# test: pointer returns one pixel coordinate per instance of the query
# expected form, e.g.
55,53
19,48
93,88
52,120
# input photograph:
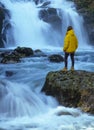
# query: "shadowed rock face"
2,17
50,15
86,9
4,24
72,88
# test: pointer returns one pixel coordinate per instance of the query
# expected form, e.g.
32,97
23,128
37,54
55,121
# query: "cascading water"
71,17
30,30
22,105
16,103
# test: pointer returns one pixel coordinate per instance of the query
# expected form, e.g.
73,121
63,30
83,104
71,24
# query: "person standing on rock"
70,46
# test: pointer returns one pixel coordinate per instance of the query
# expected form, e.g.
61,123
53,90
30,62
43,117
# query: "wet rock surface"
5,26
72,88
56,58
14,56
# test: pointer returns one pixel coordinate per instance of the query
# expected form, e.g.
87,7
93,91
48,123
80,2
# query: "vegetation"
87,5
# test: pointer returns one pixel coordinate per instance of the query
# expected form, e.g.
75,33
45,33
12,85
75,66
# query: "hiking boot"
72,69
64,69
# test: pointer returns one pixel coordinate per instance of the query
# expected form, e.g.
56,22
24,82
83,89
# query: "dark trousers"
72,58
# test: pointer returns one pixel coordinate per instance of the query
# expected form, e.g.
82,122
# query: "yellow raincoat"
70,42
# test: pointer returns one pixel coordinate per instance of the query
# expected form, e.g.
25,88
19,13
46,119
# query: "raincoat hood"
71,32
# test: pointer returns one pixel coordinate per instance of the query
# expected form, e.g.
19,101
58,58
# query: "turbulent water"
22,104
24,107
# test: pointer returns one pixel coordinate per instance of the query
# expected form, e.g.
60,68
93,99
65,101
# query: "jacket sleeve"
66,43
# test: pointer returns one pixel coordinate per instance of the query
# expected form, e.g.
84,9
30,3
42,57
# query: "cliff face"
86,9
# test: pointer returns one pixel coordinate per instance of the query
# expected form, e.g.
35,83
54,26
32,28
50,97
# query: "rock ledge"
72,88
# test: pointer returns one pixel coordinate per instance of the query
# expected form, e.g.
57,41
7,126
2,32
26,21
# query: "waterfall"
29,30
22,104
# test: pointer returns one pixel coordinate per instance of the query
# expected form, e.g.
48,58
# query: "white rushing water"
30,30
22,105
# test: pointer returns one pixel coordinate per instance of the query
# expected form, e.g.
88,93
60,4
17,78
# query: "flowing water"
24,107
22,104
30,30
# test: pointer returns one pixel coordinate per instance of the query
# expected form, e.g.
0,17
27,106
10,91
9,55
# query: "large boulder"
72,88
10,59
15,55
23,51
50,15
56,58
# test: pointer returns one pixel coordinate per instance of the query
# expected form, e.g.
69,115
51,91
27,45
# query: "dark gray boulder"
14,56
72,88
55,58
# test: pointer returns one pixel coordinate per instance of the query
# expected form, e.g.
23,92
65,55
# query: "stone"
56,58
72,89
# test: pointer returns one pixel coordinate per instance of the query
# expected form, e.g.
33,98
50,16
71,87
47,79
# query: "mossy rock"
72,88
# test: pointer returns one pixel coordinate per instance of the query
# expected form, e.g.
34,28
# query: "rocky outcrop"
72,88
23,51
14,56
50,15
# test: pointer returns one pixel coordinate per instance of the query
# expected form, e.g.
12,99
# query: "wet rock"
2,17
72,88
5,53
5,26
51,16
63,113
9,73
38,1
92,36
39,53
10,59
24,51
56,58
15,56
